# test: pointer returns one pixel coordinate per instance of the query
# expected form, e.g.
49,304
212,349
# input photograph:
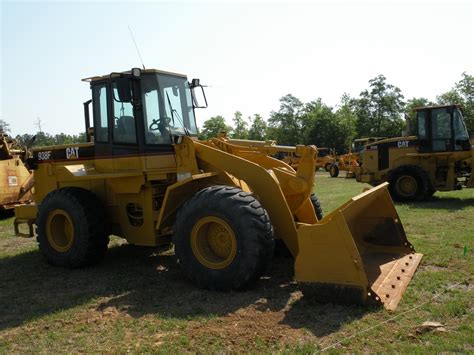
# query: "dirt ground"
274,313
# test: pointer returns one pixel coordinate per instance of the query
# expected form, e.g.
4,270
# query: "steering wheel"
159,123
155,125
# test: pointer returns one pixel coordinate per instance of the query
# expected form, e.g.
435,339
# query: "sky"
249,53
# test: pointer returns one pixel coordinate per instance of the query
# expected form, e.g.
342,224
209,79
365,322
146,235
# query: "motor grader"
344,162
15,179
438,157
144,176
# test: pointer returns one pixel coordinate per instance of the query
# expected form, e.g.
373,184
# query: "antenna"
38,124
136,47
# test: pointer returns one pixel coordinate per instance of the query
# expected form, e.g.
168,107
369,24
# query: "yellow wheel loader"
144,176
438,158
15,179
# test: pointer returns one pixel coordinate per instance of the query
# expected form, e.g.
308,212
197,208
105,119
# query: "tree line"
378,111
42,138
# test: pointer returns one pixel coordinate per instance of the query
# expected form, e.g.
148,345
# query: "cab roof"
437,106
143,71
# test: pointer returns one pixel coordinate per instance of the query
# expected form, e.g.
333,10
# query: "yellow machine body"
361,245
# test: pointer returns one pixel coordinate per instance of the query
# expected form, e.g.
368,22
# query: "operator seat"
126,129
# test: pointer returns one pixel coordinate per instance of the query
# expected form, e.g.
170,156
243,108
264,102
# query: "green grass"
137,299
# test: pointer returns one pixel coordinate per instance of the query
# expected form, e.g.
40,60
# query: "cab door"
441,130
435,130
126,150
118,146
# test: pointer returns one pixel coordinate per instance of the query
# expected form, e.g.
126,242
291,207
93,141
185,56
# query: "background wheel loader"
323,161
439,157
15,178
144,176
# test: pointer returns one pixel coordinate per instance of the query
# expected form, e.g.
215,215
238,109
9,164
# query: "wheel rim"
213,242
60,231
407,185
332,170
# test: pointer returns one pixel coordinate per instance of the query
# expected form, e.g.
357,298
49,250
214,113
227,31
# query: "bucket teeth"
390,279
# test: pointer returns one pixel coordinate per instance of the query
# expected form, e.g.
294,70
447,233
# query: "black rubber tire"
327,166
423,188
334,170
253,233
317,206
91,234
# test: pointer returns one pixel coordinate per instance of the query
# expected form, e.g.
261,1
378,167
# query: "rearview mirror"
124,89
194,83
199,96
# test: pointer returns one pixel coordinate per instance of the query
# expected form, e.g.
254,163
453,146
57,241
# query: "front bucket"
359,251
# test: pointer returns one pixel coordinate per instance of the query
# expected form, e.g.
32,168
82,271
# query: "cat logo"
72,153
402,144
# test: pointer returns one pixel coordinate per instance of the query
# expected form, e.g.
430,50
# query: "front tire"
223,238
71,228
334,170
317,206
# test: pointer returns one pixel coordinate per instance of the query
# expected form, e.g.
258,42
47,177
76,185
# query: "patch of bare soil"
257,322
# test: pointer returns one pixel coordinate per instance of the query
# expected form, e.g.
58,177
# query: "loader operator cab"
142,111
442,129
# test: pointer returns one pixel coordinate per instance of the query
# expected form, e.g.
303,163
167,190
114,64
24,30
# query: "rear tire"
409,183
334,170
223,238
327,166
71,228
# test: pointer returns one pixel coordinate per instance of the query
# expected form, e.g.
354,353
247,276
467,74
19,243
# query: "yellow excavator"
144,176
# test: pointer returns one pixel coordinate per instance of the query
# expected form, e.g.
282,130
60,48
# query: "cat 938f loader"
438,157
145,176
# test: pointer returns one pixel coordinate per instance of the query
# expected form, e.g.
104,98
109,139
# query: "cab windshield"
357,146
167,107
460,130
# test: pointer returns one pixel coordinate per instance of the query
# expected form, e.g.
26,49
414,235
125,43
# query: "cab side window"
101,126
421,125
124,121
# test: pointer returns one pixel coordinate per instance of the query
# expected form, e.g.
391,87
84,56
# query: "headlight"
136,72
